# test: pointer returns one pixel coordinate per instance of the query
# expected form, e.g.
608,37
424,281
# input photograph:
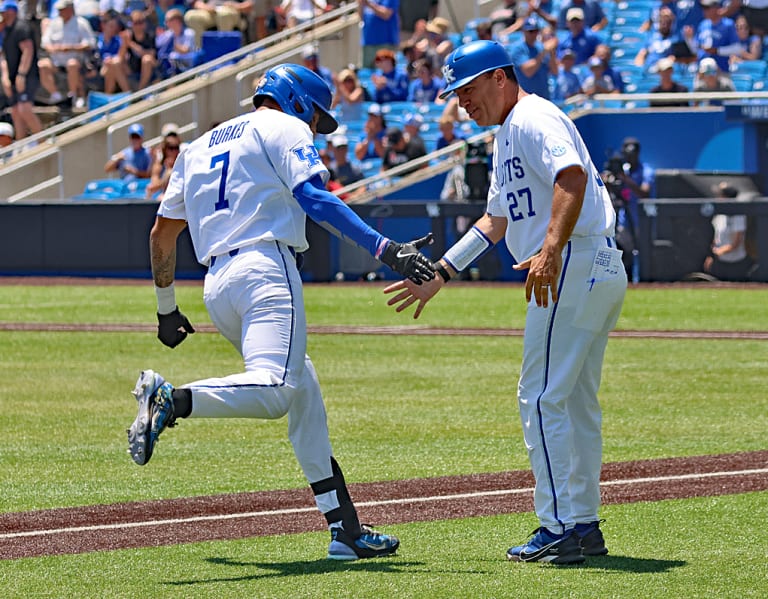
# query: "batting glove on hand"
405,259
173,328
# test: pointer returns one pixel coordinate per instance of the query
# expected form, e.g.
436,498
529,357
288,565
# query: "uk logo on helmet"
448,74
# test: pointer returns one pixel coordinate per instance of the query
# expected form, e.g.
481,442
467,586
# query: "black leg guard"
346,512
182,402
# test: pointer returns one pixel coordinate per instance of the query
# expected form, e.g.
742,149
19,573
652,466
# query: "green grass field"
399,406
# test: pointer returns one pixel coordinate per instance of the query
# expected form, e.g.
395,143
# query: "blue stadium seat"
98,99
756,68
218,43
742,82
136,189
102,189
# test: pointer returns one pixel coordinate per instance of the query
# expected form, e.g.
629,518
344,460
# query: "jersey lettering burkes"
308,154
227,133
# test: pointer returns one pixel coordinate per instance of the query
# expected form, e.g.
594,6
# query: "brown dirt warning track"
241,515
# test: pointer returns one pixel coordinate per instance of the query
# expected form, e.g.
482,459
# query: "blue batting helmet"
470,60
299,92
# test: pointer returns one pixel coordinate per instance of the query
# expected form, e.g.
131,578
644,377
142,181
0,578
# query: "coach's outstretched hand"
405,259
173,328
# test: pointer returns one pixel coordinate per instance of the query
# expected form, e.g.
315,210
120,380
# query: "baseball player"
244,189
548,202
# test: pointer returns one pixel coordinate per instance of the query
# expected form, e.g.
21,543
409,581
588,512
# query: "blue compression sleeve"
332,214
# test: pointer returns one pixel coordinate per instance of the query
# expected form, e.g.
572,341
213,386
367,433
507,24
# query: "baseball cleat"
370,543
591,538
155,414
547,547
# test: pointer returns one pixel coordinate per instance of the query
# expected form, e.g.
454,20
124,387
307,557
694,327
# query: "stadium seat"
756,68
136,189
98,99
742,82
219,43
102,189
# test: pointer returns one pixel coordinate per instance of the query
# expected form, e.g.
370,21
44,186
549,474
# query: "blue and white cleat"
155,415
547,547
370,543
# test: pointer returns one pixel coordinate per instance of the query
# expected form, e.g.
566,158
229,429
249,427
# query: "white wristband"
166,299
467,249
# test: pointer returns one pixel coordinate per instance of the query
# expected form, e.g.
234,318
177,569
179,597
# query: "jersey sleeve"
292,152
172,205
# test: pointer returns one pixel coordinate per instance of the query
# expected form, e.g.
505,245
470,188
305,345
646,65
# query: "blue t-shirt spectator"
593,12
583,45
721,35
538,83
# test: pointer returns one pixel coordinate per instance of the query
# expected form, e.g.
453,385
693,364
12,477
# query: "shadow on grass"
298,568
636,565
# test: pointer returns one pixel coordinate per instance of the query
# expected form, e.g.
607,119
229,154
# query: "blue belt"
236,251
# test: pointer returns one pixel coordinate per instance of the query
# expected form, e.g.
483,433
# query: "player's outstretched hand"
173,328
409,293
405,259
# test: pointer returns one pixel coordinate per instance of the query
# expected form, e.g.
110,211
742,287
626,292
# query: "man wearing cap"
593,14
711,79
549,204
310,55
568,82
660,40
412,132
665,68
6,134
728,259
598,81
371,145
397,151
346,172
18,66
134,161
581,40
534,61
380,28
389,80
69,41
716,35
436,44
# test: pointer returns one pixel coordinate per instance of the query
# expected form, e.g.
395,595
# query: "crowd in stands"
564,50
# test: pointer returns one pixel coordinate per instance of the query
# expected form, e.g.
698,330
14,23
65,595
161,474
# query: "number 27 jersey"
535,143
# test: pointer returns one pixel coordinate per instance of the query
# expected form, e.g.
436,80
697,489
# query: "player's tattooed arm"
162,246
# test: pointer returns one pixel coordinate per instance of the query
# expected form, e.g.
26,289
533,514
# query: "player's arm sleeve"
332,214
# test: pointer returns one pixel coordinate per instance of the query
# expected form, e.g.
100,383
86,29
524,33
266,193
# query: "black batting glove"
173,328
405,259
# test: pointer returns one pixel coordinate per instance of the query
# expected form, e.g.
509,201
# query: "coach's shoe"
591,538
548,547
155,414
370,543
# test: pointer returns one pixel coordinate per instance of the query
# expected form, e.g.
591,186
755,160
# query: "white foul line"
499,492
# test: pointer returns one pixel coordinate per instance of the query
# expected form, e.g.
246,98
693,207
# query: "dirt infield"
236,516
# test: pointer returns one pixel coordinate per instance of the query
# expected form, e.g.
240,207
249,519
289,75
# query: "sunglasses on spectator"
172,147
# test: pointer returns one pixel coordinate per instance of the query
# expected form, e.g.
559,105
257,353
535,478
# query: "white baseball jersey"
260,157
534,144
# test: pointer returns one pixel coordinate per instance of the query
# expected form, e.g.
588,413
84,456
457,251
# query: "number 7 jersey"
535,142
233,185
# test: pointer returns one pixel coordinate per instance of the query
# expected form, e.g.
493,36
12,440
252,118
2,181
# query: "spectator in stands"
756,13
660,40
348,91
390,81
716,36
220,15
652,23
507,18
310,55
484,30
346,172
567,83
543,9
665,67
397,152
134,161
689,14
593,14
751,44
69,42
108,44
426,86
380,29
372,143
258,21
711,79
728,260
581,40
604,53
33,13
162,165
139,51
298,12
18,70
176,46
6,134
598,81
534,61
449,133
412,132
436,45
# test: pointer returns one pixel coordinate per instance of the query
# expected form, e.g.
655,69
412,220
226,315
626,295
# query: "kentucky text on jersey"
228,133
509,169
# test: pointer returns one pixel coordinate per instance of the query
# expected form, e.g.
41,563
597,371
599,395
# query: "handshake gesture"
405,259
